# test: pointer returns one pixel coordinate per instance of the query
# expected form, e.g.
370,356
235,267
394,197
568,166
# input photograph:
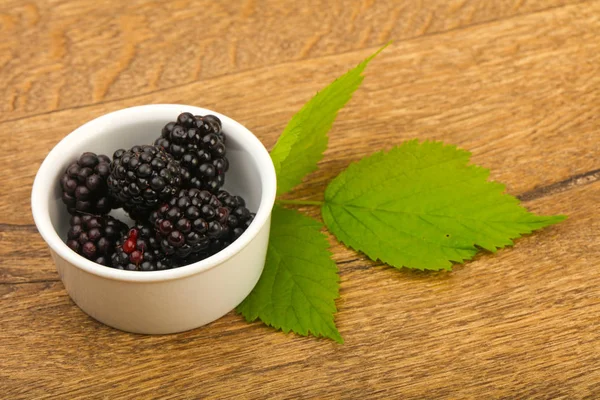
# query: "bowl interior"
129,127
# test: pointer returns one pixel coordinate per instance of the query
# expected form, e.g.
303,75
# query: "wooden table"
517,82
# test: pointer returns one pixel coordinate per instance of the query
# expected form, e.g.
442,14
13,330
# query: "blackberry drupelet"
95,237
139,250
84,185
196,224
143,177
198,143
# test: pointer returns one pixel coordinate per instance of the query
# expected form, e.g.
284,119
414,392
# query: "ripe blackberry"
94,237
138,250
143,177
84,185
196,224
198,143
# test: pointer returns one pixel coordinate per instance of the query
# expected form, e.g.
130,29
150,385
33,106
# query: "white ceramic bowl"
169,301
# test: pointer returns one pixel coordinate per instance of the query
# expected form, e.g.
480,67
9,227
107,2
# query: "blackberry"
196,224
94,237
198,143
84,186
139,250
143,177
239,218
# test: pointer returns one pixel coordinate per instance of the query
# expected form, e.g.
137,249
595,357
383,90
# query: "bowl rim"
42,189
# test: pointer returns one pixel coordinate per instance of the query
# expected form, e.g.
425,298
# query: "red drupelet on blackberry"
198,143
196,224
84,187
95,237
143,177
139,250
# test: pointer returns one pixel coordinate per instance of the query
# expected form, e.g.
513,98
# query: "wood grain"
515,82
88,52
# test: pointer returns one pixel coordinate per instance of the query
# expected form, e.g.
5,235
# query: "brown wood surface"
517,82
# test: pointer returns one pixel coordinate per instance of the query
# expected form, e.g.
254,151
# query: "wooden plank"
521,323
519,93
25,257
62,54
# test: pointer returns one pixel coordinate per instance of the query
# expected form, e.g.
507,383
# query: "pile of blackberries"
171,189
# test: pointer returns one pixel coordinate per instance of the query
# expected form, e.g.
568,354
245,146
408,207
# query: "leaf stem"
301,202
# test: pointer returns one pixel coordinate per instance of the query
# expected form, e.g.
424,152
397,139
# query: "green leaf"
303,141
422,206
299,285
